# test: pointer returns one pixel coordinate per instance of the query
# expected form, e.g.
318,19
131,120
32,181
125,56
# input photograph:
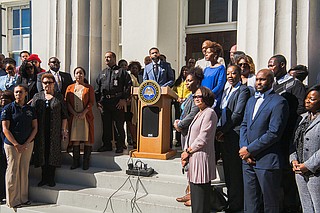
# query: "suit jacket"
165,75
311,145
201,134
232,115
188,113
262,134
66,80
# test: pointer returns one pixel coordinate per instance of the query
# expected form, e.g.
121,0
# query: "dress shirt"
228,91
260,100
57,77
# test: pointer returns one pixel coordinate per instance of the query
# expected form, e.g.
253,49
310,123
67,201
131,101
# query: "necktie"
156,70
258,95
58,80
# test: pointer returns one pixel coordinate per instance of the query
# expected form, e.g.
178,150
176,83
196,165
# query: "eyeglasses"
243,64
47,82
54,62
197,96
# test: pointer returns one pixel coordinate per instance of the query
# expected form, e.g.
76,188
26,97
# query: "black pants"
200,197
232,166
109,115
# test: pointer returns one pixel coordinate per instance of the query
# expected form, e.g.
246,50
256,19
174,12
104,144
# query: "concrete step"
118,162
46,208
97,199
110,179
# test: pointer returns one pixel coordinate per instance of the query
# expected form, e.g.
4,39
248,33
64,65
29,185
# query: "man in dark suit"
264,120
159,71
62,79
294,92
234,99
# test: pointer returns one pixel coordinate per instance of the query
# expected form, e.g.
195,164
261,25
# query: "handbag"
218,201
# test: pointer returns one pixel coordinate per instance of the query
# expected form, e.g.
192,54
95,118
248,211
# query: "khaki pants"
17,182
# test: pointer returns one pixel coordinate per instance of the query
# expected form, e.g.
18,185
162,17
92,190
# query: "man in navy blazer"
265,118
159,71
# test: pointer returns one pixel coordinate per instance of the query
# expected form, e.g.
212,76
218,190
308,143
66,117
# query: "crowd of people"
266,133
264,125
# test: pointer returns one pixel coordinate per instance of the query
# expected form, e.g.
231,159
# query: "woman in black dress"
52,119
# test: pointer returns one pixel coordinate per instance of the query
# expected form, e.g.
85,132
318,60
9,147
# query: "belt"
109,96
116,95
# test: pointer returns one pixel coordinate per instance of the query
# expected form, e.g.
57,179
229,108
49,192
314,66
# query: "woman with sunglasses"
248,77
80,99
52,128
28,77
199,151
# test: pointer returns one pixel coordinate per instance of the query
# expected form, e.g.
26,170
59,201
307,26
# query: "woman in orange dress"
80,99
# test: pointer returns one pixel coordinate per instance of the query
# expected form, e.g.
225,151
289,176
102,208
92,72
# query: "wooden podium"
153,128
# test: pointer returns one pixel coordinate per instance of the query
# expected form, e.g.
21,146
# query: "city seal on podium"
149,92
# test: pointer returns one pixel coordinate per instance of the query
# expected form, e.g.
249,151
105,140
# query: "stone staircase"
106,188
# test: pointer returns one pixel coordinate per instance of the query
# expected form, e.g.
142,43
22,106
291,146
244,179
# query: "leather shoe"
51,183
187,203
120,150
184,198
42,183
104,148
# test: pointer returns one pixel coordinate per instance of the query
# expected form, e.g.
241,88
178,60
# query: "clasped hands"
21,147
245,155
299,167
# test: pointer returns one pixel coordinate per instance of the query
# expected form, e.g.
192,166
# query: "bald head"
205,45
264,80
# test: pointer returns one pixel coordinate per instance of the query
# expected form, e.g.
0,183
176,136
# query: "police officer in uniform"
113,87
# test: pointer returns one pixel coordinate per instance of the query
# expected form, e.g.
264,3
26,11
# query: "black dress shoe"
119,150
42,183
104,149
51,183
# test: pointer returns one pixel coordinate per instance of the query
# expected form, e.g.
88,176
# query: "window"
202,12
196,12
19,30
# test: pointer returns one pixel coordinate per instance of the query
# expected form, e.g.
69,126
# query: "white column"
139,28
80,35
313,43
63,33
95,39
302,29
41,30
115,28
255,34
168,32
285,30
106,29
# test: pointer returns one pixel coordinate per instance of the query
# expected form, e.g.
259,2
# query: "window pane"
16,32
16,42
218,11
25,31
234,10
25,43
196,12
25,17
16,18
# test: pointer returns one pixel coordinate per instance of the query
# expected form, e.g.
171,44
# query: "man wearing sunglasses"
62,79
